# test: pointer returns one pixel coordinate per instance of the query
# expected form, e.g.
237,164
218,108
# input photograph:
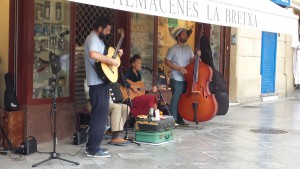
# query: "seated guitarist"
142,103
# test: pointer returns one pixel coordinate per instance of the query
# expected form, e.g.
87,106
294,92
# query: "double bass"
198,104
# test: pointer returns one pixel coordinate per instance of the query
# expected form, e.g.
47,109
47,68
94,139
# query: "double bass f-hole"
204,94
201,91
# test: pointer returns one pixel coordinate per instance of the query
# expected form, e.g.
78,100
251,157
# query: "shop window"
165,40
51,48
142,38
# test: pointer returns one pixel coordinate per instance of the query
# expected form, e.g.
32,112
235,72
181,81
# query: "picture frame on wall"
39,11
38,29
47,10
53,42
43,44
58,11
46,29
37,48
59,28
56,29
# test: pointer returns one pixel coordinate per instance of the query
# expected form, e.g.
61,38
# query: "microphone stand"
54,154
127,110
8,141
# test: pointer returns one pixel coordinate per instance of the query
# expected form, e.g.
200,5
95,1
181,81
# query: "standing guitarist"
142,103
98,90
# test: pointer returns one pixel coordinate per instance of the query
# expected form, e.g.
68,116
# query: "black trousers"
99,99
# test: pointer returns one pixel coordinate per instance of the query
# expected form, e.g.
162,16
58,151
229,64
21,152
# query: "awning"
263,15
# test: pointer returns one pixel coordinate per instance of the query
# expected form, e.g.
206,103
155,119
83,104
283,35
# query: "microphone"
63,34
146,68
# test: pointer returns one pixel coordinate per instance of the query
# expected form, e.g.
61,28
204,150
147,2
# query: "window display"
51,48
142,33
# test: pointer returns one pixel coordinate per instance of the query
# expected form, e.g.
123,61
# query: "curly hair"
134,58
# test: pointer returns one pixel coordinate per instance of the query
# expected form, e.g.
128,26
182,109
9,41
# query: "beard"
183,40
101,36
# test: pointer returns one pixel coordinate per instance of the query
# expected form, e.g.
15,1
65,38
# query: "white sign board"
235,14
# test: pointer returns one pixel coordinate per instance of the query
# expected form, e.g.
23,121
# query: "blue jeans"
99,99
177,88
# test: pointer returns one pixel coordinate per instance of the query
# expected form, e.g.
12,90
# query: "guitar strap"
94,68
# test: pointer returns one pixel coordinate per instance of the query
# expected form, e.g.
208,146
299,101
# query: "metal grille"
80,96
85,17
268,131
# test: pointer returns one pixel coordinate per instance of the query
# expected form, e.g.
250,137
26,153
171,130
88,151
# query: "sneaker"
105,150
99,154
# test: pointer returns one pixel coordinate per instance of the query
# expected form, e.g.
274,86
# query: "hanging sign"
232,13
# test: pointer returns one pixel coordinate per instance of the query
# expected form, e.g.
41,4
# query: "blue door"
268,62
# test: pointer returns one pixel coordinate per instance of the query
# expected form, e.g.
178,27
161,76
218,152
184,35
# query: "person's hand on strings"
120,52
182,70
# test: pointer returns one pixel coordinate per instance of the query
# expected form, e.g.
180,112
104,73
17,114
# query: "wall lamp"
233,39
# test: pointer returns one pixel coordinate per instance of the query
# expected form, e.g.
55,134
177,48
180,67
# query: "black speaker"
30,146
79,137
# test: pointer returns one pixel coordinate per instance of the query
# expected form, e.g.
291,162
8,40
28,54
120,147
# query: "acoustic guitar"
132,94
109,74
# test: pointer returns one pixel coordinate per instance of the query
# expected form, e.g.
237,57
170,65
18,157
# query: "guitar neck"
118,47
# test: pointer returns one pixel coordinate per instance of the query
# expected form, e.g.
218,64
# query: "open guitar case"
218,85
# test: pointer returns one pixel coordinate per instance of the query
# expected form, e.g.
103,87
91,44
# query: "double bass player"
178,57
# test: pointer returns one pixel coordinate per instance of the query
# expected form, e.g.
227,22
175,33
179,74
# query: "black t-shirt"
130,75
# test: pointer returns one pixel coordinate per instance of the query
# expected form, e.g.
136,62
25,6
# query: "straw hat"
175,32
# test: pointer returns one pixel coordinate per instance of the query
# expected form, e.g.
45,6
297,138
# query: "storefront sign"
226,13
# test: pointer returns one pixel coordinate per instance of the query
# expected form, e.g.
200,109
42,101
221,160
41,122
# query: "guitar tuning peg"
110,89
114,99
112,94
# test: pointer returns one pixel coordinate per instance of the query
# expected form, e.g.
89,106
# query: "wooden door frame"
122,20
25,53
226,54
11,52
